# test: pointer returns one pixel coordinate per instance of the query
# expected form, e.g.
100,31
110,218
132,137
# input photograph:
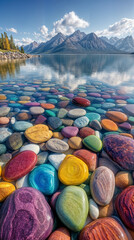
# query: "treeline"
7,43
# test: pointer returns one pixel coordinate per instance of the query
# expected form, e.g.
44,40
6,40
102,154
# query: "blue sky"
39,20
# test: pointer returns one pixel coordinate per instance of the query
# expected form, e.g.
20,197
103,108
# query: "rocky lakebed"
66,161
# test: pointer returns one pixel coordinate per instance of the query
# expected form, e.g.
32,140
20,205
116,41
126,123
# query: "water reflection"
10,68
72,70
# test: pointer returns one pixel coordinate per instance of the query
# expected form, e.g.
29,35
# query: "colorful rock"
81,101
5,190
88,157
57,145
19,166
22,215
93,143
117,116
72,171
109,125
69,131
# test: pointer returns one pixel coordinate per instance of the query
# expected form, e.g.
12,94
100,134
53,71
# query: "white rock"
22,182
13,120
56,159
93,209
31,147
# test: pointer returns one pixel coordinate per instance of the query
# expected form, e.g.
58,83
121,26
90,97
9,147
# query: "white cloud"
120,29
11,30
69,23
24,41
44,30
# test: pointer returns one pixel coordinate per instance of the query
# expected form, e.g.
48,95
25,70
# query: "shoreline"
9,55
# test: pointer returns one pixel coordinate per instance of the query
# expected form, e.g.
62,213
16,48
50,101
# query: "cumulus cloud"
44,30
13,30
24,41
121,28
69,23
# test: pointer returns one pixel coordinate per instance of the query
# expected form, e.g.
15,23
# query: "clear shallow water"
73,70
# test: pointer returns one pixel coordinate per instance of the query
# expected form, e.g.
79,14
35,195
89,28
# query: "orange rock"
123,179
82,94
75,142
109,125
60,234
119,101
47,105
2,97
126,135
57,135
107,210
4,120
116,116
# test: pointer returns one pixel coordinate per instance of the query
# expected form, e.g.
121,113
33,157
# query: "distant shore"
11,55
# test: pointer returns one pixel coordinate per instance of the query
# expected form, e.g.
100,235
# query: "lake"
73,70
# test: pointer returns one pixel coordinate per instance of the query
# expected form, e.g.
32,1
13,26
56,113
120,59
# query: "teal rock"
15,105
91,109
2,149
72,207
4,134
96,105
93,143
130,100
44,178
50,113
81,122
53,101
100,111
93,116
108,105
21,126
110,100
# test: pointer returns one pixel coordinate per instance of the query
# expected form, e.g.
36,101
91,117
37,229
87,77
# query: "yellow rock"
0,171
73,171
23,102
38,134
58,135
45,89
75,142
6,189
2,97
106,211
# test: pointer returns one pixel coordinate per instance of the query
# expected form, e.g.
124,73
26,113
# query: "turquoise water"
73,70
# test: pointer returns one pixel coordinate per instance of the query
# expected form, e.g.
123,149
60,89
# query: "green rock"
131,119
50,113
2,149
91,109
72,207
93,143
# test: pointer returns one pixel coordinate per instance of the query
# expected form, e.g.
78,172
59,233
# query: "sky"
40,20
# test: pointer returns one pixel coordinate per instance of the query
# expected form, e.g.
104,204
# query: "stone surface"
129,109
22,182
60,234
88,157
69,131
117,116
75,142
93,209
44,178
96,125
4,111
24,215
86,131
31,147
107,228
102,185
72,207
81,122
106,211
93,143
4,120
56,159
42,157
121,150
21,126
124,205
19,166
57,145
81,101
4,134
36,110
109,125
15,141
5,190
76,112
54,122
3,149
38,133
123,179
72,171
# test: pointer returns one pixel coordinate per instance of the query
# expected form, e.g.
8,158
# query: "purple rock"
129,108
70,95
125,125
40,119
25,214
32,104
94,94
69,131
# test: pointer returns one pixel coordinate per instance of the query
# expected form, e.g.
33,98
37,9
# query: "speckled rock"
54,122
4,111
102,185
76,112
57,145
24,215
15,141
121,150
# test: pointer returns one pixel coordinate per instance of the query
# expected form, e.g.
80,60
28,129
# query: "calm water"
73,70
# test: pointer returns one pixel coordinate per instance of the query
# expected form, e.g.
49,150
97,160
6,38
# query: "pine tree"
11,41
22,49
6,44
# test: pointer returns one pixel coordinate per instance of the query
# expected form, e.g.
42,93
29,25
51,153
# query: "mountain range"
81,43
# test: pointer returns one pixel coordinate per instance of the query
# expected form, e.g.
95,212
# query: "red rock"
63,104
81,101
104,229
40,119
86,131
88,157
125,206
60,234
19,166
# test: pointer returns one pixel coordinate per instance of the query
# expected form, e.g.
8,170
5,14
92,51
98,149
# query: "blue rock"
21,126
2,149
45,179
81,122
108,105
54,122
